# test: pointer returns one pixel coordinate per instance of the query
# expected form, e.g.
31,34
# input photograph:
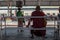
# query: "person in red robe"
38,23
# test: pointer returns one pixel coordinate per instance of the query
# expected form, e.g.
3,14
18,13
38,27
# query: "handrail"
29,16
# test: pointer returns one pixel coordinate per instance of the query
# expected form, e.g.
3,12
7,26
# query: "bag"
45,22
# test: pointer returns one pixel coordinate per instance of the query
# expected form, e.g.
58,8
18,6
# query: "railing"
26,17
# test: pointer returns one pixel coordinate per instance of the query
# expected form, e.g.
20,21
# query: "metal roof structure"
31,2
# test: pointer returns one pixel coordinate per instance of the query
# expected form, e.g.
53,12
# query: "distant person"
58,23
59,14
20,20
38,23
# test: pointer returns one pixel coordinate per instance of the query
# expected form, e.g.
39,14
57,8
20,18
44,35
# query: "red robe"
38,23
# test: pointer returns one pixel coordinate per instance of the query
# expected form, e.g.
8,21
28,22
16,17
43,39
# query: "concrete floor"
12,34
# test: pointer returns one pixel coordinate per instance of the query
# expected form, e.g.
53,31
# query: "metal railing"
55,30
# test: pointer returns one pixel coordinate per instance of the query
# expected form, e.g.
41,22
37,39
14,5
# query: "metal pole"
1,28
11,9
58,30
54,29
8,7
56,34
24,2
5,27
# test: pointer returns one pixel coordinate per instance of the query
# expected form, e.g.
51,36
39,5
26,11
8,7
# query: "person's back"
19,14
38,22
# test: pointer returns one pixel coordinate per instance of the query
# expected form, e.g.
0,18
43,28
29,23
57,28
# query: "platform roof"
32,2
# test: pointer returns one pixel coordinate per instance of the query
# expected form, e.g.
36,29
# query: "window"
48,13
53,13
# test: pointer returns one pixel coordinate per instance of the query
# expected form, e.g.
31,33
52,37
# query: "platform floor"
12,34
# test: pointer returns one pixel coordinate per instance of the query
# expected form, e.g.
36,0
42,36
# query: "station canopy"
31,2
